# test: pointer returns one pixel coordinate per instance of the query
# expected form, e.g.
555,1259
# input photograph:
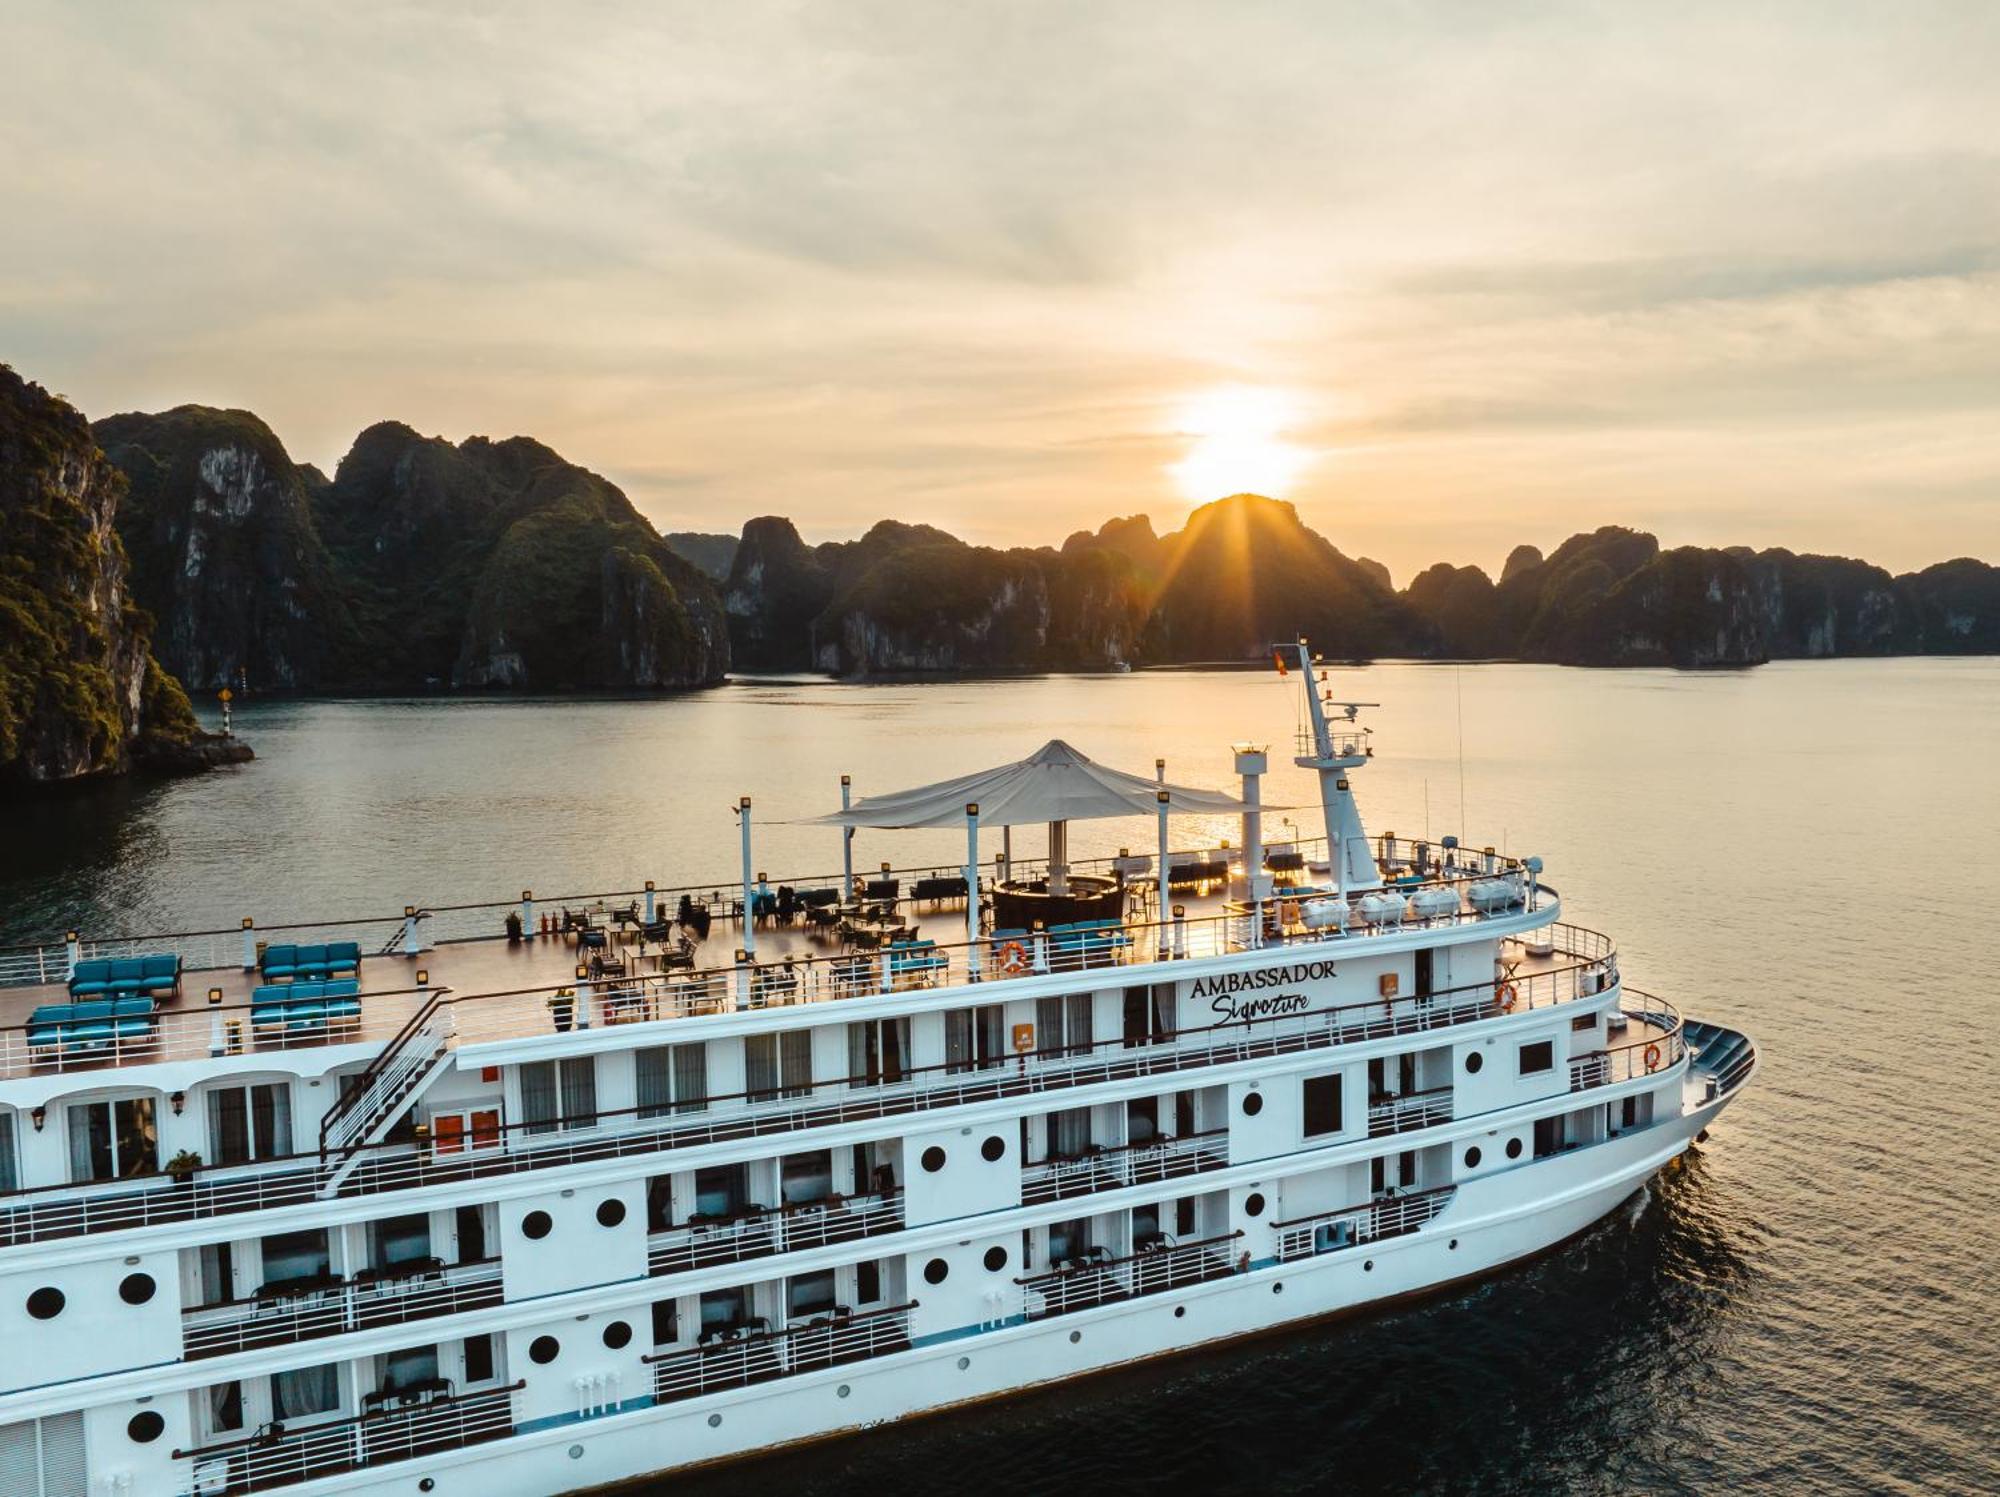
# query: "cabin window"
975,1038
113,1139
721,1190
479,1359
778,1064
293,1256
246,1123
225,1408
409,1368
1069,1133
874,1168
878,1052
1184,1216
469,1225
1548,1137
1063,1025
1068,1239
559,1094
1538,1057
10,1173
672,1078
1321,1098
1142,1120
1425,963
399,1239
666,1322
804,1178
305,1391
1583,1022
724,1310
218,1275
809,1294
1406,1167
1149,1014
868,1281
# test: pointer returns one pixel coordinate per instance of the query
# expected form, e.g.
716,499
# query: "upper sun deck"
683,954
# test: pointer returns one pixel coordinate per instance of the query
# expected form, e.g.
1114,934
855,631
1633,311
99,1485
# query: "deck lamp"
582,971
39,1116
178,1101
423,977
215,995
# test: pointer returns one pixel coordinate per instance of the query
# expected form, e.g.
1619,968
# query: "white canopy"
1053,784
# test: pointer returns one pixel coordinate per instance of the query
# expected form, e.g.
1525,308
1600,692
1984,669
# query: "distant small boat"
1121,665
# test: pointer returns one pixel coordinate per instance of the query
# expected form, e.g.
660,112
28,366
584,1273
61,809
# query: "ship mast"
1335,752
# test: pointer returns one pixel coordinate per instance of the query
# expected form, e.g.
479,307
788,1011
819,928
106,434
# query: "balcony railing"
1655,1053
1151,1271
1408,1113
1134,1164
1386,1216
741,1359
385,1168
285,1458
791,1229
243,1325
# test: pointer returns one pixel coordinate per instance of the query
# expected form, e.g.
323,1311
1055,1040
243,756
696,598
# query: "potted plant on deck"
181,1168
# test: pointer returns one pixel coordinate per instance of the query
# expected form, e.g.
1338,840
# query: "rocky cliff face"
80,693
777,587
225,554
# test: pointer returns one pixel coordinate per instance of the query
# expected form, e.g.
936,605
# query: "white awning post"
1251,763
972,889
528,914
72,953
847,842
249,944
650,892
743,960
1006,852
411,944
1058,857
1160,910
749,925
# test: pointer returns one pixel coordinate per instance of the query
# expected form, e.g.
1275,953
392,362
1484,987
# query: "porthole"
994,1149
1253,1103
544,1350
611,1212
618,1335
536,1225
842,1391
137,1288
1474,1060
1513,1148
429,1484
1453,1244
936,1271
1472,1157
46,1303
933,1159
715,1421
963,1363
144,1428
996,1259
1277,1289
1369,1266
1253,1204
576,1452
1074,1337
1180,1312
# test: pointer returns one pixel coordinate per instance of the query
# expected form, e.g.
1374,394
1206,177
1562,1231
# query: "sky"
1448,276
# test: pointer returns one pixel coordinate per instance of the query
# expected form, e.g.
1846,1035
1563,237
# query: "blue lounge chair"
302,1006
93,1024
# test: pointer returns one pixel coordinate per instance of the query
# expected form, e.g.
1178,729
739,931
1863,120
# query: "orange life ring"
1652,1057
1507,995
1013,958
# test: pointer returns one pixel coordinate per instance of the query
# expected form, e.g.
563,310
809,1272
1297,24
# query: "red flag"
1278,658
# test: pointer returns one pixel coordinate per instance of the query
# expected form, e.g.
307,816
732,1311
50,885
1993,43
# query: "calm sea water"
1809,1306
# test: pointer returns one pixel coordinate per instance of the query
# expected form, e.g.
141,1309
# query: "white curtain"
690,1078
305,1390
538,1095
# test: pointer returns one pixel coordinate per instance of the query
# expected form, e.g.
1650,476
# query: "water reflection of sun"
1238,444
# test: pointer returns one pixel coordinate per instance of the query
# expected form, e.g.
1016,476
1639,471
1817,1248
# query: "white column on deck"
1160,912
972,889
749,925
846,842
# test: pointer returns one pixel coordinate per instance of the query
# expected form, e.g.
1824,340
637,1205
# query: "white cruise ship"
515,1200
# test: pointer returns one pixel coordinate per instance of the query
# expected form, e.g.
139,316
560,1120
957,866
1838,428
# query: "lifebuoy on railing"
1013,958
1652,1057
1508,995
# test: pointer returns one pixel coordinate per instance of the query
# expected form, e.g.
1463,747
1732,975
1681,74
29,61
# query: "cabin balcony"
284,1458
1388,1215
746,1355
364,1302
1098,1279
764,1231
1099,1168
1406,1114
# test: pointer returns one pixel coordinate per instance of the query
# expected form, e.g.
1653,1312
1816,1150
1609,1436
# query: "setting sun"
1238,445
